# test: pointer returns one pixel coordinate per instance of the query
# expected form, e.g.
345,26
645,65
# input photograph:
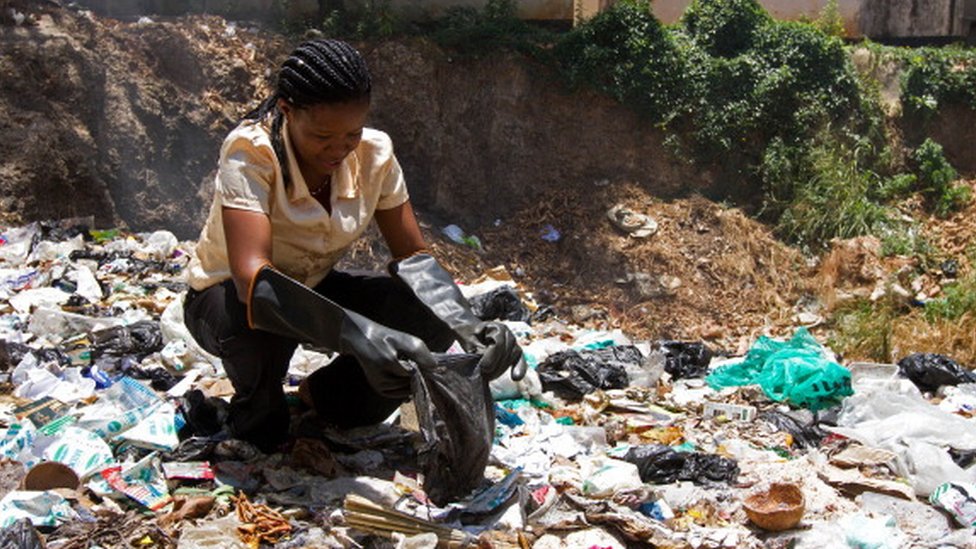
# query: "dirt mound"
122,121
708,272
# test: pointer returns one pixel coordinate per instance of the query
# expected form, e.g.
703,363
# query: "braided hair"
318,71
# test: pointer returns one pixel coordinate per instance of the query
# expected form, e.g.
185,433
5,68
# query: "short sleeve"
245,174
393,191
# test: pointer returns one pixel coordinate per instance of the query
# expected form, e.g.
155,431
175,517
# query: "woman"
298,182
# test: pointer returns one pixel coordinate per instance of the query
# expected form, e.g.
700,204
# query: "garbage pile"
111,419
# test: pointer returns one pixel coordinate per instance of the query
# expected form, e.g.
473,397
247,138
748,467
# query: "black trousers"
256,361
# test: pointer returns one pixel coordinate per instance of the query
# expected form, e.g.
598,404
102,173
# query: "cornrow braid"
318,71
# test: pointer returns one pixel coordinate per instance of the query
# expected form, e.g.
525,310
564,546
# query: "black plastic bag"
11,353
159,378
805,436
573,374
205,416
20,535
685,359
194,449
929,371
962,458
660,464
140,339
457,421
502,303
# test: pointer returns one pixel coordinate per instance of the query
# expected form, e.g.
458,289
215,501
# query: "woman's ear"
284,106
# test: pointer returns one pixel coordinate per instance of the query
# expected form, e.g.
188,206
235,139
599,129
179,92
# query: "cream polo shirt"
306,240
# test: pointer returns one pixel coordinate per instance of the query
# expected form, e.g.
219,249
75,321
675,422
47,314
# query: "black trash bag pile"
457,421
929,371
59,231
685,359
804,436
126,262
140,340
573,374
11,353
502,303
661,464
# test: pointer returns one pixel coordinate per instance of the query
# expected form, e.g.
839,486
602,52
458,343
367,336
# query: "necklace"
322,189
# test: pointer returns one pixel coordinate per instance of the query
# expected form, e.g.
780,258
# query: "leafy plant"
957,299
627,54
838,201
495,27
862,329
935,77
830,21
936,179
725,28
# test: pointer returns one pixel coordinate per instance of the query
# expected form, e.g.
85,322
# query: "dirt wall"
479,139
124,122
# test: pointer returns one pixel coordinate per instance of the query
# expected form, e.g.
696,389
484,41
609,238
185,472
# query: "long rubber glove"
435,288
283,306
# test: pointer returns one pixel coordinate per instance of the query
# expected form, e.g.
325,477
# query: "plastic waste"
139,339
502,303
457,235
685,359
82,450
16,243
550,234
929,371
799,371
660,464
917,431
573,374
40,508
604,476
213,534
142,481
959,499
457,423
804,435
20,535
205,416
161,244
863,532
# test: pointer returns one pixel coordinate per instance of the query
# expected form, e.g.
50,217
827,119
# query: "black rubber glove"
435,288
283,306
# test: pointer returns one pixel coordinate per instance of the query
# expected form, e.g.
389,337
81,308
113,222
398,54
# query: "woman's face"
323,135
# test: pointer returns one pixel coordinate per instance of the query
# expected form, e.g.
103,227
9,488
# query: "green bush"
627,54
496,27
935,77
725,28
936,179
957,299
